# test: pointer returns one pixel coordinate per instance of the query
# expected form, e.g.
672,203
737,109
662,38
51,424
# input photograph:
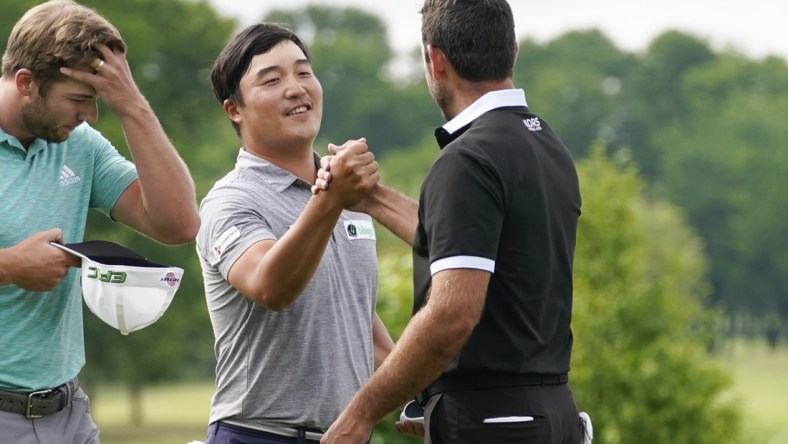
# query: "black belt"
38,403
486,381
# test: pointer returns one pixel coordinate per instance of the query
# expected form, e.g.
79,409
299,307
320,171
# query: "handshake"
350,170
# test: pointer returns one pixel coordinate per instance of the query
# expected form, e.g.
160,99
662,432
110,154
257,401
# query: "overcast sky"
755,27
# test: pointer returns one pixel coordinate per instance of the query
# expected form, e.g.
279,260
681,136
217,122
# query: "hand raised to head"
112,79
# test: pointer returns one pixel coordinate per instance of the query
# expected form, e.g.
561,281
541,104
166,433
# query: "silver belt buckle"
29,407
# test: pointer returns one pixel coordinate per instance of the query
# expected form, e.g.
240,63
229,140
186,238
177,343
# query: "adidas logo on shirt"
67,177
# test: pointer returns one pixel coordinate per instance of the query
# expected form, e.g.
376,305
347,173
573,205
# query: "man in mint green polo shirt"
60,58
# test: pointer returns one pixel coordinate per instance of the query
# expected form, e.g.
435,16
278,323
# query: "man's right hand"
34,264
352,171
324,173
395,211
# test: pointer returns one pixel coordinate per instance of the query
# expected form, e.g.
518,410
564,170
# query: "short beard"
39,121
439,96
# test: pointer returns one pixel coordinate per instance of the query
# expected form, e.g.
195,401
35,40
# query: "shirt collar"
487,102
280,179
12,142
9,140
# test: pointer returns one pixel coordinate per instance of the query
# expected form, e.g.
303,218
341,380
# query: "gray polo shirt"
299,366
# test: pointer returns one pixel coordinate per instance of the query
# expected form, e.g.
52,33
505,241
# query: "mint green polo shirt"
51,185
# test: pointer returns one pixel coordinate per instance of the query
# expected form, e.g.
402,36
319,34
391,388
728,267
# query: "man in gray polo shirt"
290,277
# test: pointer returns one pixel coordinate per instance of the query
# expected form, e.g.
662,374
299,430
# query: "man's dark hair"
234,60
477,36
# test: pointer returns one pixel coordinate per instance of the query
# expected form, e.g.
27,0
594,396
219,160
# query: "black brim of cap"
110,253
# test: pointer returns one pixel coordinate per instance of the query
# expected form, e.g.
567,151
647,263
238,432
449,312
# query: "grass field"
761,382
177,414
174,414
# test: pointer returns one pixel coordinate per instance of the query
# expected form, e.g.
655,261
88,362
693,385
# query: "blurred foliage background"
681,249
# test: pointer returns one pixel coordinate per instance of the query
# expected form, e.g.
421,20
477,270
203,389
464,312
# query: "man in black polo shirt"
490,337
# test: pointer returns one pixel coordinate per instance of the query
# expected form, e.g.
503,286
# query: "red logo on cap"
170,279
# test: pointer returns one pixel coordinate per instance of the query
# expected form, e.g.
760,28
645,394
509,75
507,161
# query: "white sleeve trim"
475,262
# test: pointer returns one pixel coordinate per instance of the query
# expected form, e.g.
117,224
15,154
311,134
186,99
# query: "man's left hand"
347,431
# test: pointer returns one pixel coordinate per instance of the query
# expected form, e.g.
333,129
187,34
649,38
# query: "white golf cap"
121,287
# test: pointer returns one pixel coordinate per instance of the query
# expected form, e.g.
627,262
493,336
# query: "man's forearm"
422,354
431,340
382,342
395,211
286,269
168,193
6,259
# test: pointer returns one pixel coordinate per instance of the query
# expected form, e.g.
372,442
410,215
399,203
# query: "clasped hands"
351,170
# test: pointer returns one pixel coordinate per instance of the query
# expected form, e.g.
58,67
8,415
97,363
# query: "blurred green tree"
576,82
641,366
705,128
726,166
656,95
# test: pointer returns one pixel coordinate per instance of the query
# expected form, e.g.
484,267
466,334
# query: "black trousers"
539,414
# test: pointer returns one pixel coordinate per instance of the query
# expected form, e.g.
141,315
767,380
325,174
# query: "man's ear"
231,109
25,83
436,61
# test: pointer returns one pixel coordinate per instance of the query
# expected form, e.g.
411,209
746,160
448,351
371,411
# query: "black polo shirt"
503,196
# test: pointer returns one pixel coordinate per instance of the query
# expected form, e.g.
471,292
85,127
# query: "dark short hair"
234,60
477,36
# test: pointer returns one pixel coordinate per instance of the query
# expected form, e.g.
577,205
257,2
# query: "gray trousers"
73,424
